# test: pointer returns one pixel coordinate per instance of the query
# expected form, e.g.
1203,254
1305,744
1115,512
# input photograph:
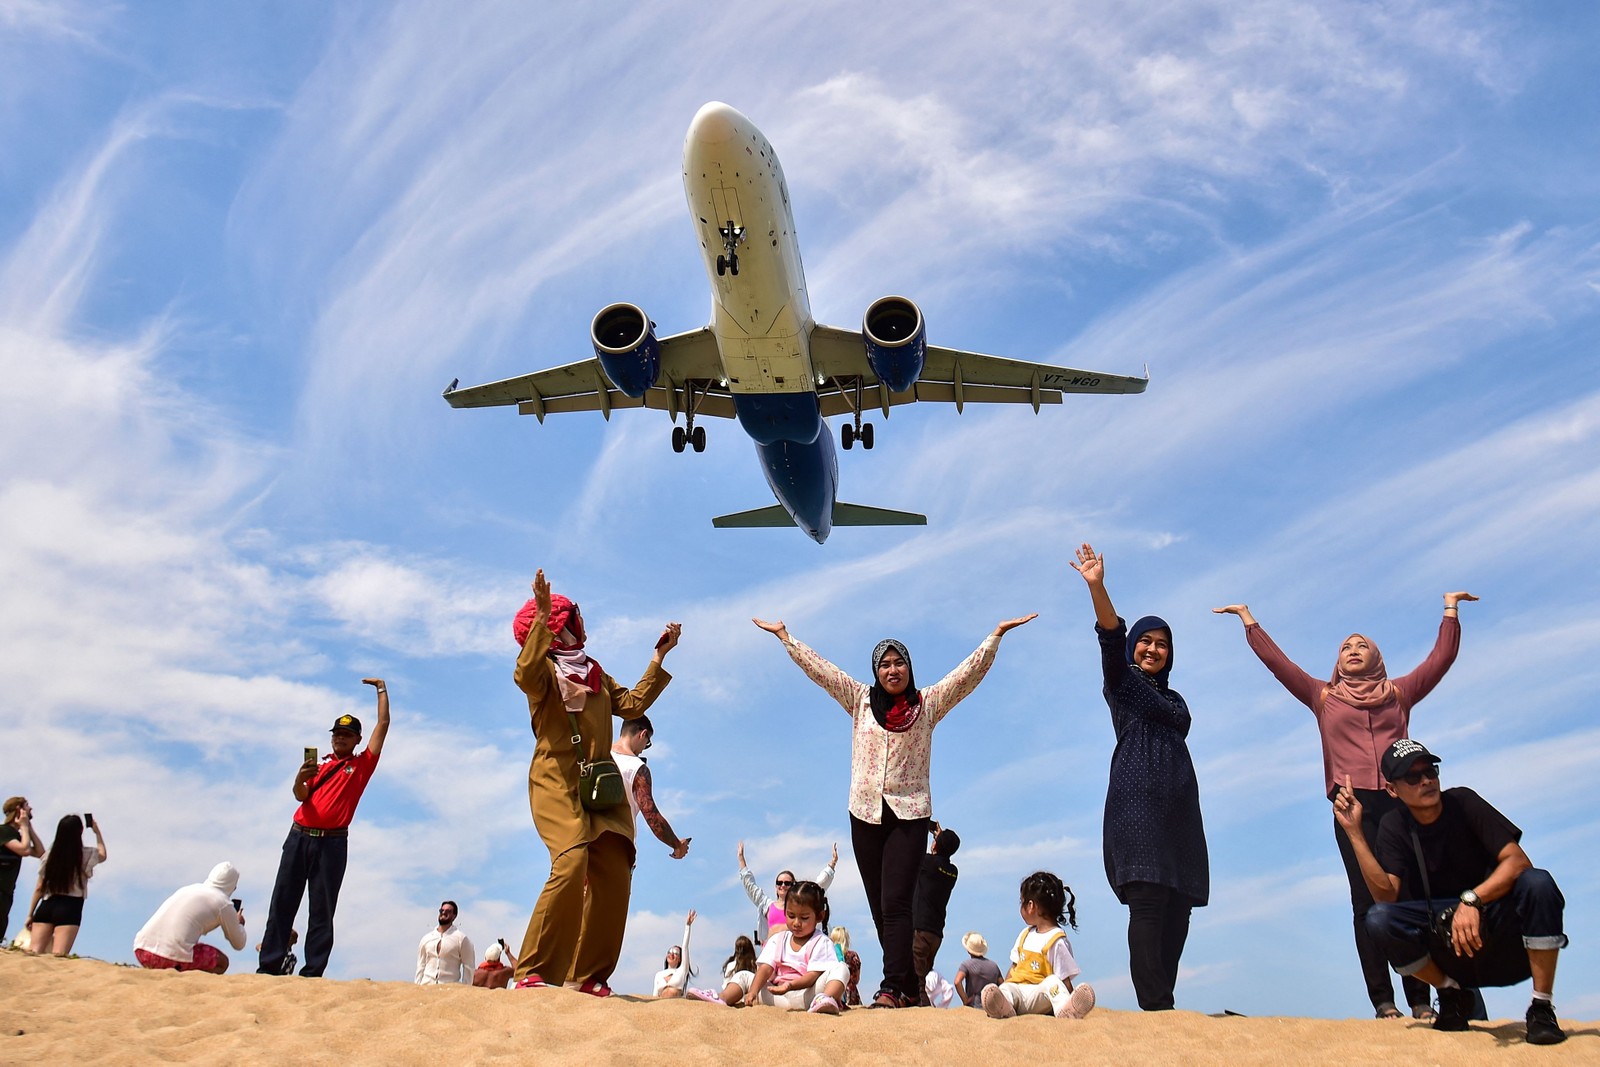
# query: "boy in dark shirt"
935,883
1460,905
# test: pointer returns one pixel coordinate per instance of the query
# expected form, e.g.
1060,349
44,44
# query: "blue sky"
242,250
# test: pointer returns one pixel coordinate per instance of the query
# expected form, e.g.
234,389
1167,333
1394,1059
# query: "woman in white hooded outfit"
171,939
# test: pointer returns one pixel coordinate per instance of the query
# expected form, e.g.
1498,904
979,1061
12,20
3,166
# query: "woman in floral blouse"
891,743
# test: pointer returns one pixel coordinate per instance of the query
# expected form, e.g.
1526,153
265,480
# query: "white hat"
974,943
492,953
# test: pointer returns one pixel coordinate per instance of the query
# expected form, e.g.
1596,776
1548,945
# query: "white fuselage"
761,316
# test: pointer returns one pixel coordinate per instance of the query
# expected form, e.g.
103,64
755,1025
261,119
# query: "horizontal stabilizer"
843,515
861,515
758,518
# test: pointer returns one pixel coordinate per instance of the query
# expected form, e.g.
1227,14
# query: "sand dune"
77,1011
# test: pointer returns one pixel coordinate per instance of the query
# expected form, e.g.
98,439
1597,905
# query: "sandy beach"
84,1011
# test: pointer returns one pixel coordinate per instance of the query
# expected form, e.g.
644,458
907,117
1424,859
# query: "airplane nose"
716,123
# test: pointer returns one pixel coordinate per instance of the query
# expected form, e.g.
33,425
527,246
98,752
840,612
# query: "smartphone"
311,755
88,820
238,905
662,641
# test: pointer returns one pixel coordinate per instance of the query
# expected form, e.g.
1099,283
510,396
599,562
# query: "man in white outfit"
171,939
445,955
634,736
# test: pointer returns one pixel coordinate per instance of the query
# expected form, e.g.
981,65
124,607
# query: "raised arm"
751,890
825,876
1091,567
1428,674
956,686
99,842
645,798
1300,685
839,685
680,974
1384,886
533,672
380,731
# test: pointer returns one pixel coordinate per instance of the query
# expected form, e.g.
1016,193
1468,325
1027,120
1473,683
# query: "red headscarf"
571,661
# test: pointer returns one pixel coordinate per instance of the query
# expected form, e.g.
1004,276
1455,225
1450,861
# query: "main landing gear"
689,435
856,430
849,435
694,436
728,262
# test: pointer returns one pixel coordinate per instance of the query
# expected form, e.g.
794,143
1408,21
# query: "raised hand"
541,596
1347,810
1241,610
1090,565
690,920
1452,599
742,863
668,639
835,861
776,629
1011,624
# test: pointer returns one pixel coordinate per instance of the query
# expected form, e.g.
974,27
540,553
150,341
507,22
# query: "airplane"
763,359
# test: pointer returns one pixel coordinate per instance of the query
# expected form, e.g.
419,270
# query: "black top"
10,862
935,882
1153,830
1461,846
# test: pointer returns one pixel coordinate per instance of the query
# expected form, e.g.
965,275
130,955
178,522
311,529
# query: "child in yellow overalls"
1040,980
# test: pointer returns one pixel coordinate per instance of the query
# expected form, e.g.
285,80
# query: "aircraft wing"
951,376
689,362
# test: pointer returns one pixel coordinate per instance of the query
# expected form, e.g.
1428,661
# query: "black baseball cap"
346,722
1402,754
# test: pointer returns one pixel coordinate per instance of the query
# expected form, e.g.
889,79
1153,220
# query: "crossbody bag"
600,786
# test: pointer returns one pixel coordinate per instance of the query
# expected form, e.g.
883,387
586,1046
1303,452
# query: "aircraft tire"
698,438
866,435
733,265
678,439
722,266
847,436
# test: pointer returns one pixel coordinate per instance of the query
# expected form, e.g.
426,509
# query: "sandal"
887,998
1389,1011
1423,1013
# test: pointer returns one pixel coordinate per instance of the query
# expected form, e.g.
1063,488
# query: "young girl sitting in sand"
737,974
798,968
1040,981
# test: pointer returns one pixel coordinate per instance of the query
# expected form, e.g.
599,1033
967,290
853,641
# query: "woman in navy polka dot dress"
1155,842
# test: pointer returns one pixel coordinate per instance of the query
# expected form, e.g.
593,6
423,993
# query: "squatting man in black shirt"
1460,905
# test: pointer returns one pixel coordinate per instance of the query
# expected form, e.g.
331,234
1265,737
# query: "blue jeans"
310,862
1528,918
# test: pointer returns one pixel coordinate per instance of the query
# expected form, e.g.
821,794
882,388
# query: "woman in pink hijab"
1360,712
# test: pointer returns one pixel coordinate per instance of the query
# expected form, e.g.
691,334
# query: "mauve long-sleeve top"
1153,831
1355,739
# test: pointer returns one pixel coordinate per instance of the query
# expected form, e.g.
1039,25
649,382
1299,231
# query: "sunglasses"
1430,773
783,882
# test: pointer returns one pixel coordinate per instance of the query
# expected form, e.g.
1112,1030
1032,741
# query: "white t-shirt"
629,765
789,961
1062,963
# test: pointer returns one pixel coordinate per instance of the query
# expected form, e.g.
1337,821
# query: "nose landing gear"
732,237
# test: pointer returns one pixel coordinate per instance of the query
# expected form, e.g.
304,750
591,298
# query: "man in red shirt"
317,847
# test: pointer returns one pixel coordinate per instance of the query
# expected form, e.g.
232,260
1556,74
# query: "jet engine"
896,340
625,341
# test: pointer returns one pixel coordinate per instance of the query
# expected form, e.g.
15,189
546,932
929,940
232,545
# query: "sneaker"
532,981
1455,1008
595,989
1079,1004
1542,1026
996,1004
823,1004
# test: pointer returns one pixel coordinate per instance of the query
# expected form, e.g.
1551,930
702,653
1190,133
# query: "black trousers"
1375,803
889,856
317,864
1158,927
8,887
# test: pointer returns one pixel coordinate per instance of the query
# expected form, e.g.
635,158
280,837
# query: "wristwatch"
1470,899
